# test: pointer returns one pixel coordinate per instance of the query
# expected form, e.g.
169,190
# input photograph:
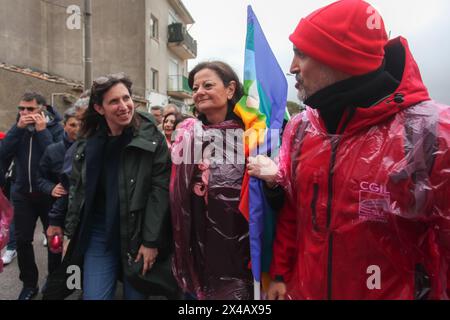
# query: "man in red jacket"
365,169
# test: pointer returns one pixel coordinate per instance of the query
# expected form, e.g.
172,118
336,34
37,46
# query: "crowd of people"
360,188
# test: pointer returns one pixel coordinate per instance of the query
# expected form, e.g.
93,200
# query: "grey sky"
221,29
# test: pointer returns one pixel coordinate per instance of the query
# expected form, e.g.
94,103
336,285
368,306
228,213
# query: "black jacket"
27,148
144,176
51,165
57,213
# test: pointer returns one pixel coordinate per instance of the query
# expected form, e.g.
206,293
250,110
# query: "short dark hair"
225,73
32,95
92,120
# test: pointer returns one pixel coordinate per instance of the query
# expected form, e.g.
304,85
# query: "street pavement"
10,285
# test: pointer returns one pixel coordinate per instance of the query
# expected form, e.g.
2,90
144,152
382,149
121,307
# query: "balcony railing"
182,41
178,86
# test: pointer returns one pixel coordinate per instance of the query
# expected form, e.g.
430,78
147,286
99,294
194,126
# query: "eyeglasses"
105,79
29,109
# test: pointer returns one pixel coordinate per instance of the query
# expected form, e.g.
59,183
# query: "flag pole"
257,290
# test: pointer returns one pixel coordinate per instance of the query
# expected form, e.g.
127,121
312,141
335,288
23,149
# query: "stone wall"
14,84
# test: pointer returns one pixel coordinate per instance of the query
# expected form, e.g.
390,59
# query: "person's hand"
149,255
58,191
41,123
277,291
25,121
54,231
263,168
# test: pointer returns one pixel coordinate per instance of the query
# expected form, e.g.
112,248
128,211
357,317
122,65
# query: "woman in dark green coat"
118,217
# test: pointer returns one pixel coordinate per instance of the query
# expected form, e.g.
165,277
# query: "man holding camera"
38,126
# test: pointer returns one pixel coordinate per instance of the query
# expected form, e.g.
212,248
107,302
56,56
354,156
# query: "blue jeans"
12,238
101,270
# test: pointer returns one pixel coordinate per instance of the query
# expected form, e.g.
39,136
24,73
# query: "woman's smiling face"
210,93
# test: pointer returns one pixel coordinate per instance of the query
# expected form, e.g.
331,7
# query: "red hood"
401,64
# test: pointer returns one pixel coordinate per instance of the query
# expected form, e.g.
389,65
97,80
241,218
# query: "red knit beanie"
347,35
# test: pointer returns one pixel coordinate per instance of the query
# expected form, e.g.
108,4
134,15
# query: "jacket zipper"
29,163
314,206
334,146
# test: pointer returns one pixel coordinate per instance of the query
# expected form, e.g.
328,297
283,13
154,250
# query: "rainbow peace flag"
262,107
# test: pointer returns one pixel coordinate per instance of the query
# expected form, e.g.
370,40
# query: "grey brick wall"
13,85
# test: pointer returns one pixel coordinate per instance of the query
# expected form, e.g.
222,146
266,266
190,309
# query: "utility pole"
87,44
